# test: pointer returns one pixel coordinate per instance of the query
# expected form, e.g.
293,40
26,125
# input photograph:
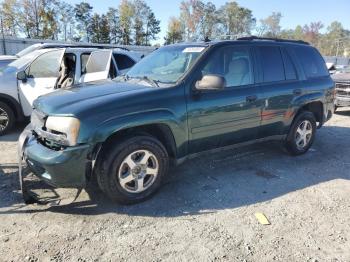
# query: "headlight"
64,130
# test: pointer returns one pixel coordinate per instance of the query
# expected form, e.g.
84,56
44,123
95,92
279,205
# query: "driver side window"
233,63
46,65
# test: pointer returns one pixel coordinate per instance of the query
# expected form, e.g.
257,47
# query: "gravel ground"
204,211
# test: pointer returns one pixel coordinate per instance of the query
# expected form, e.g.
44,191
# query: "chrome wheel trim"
303,134
4,119
138,171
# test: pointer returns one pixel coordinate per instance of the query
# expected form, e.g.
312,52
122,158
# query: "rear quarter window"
289,68
312,62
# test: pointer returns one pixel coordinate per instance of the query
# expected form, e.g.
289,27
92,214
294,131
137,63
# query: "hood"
8,57
86,96
341,77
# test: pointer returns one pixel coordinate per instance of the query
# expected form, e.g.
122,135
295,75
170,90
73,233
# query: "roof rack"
99,46
252,38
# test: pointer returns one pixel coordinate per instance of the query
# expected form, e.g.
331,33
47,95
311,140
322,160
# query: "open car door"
41,78
98,66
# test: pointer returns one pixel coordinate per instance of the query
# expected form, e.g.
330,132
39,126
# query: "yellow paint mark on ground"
262,219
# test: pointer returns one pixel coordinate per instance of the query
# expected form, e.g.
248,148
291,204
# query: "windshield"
24,60
28,50
167,64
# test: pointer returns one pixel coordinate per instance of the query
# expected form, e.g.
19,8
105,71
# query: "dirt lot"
204,212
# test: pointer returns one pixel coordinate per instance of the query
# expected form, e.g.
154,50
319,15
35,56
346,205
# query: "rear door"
279,86
42,75
218,118
98,66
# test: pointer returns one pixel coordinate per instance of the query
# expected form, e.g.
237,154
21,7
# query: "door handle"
251,99
297,92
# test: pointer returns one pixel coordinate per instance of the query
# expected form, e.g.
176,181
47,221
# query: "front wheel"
301,134
133,169
7,118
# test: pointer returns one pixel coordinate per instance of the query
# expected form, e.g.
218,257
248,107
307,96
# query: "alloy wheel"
4,119
138,171
303,134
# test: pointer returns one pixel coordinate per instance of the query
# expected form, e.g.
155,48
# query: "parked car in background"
342,89
46,70
337,64
6,59
178,102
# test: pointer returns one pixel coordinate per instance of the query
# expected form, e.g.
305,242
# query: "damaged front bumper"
66,168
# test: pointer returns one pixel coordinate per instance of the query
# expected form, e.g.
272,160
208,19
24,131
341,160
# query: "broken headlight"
62,130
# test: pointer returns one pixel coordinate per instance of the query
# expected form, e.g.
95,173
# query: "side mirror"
211,82
21,75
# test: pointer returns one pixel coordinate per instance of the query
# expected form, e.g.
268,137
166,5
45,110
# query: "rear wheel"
301,134
7,118
133,169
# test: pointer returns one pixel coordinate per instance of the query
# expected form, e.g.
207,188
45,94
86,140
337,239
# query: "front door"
42,75
218,118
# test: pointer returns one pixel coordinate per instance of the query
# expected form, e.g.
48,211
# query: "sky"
294,12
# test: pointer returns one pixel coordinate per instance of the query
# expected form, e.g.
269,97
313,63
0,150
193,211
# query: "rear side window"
311,61
123,61
289,67
272,63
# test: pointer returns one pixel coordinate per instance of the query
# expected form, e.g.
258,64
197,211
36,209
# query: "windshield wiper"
146,78
150,80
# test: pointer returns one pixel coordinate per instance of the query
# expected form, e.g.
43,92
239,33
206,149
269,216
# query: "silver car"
45,70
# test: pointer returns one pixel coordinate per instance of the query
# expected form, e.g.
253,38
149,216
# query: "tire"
7,118
133,160
297,144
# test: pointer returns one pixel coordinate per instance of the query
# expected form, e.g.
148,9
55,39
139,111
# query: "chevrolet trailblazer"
180,101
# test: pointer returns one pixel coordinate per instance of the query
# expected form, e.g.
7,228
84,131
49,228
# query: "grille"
342,89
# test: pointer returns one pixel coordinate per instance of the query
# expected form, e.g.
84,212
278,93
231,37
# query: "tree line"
131,22
134,22
200,20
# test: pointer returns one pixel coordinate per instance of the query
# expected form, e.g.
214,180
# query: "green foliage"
99,29
66,22
200,20
138,20
236,20
126,13
134,22
174,33
10,17
270,26
113,23
334,41
83,16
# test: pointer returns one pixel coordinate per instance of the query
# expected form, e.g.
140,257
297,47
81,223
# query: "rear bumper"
65,168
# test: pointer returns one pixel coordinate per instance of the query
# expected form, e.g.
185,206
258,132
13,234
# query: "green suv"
178,102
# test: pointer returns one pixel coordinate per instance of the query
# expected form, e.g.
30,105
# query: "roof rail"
252,38
86,45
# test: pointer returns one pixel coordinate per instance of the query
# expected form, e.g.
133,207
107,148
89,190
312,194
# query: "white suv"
43,71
